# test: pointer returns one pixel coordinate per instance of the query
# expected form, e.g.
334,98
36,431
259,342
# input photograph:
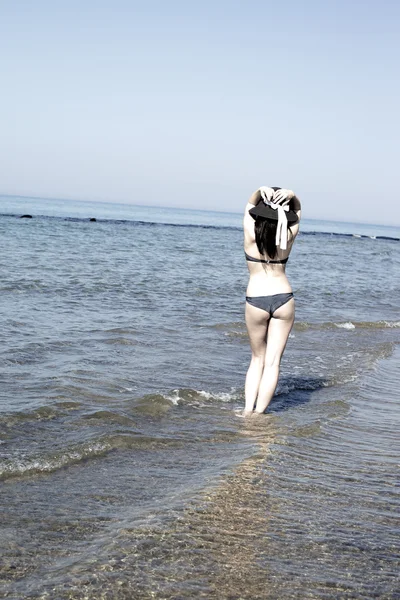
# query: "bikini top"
268,262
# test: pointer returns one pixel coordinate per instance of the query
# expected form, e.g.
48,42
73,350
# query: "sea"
127,470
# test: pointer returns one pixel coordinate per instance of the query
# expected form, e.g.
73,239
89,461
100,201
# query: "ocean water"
126,470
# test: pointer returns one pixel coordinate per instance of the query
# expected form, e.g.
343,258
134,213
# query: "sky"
197,104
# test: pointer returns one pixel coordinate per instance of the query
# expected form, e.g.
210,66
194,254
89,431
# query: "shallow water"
126,468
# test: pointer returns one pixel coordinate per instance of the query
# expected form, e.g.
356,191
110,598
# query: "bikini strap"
259,260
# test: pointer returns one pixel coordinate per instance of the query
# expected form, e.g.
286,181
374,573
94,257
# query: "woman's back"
267,274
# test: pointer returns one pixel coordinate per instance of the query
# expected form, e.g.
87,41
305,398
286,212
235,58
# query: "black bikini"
268,262
268,303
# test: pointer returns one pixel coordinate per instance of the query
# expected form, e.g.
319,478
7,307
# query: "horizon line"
130,203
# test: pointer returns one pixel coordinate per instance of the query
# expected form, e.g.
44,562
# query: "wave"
125,435
238,330
140,223
202,398
351,235
197,398
63,410
33,465
148,405
349,325
42,413
79,453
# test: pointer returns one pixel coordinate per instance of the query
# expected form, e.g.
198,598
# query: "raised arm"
263,193
283,196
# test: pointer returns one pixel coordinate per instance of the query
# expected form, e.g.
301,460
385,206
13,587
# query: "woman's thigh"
257,327
278,332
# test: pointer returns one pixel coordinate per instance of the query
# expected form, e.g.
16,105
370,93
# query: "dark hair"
265,232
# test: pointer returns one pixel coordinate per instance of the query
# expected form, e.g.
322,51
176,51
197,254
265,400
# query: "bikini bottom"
269,303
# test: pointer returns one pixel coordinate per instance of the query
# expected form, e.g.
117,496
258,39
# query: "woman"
271,224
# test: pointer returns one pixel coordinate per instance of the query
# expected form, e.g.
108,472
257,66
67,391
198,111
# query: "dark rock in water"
92,219
26,217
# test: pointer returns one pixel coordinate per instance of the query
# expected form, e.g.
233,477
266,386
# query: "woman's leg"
278,332
257,326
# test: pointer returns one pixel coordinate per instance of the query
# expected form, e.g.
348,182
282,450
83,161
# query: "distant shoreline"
137,222
176,208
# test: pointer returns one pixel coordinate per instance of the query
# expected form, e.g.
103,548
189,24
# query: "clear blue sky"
196,104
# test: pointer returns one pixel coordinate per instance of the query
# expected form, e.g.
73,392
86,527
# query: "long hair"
265,232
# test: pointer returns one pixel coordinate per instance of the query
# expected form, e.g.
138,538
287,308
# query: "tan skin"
268,335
